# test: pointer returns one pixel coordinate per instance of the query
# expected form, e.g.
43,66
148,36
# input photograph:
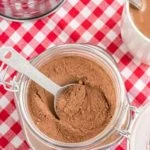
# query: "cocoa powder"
82,111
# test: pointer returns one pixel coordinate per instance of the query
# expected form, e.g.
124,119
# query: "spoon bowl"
62,90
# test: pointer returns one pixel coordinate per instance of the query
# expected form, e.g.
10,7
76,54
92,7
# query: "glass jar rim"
20,19
117,115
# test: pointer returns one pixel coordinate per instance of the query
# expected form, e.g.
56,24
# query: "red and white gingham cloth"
77,21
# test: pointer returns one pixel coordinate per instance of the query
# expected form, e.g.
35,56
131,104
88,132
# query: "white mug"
138,44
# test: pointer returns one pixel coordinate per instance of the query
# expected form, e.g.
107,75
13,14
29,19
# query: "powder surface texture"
84,110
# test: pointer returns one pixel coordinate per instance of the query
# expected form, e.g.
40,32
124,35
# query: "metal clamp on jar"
11,86
120,125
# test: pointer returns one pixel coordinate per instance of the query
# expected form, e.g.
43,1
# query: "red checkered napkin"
77,21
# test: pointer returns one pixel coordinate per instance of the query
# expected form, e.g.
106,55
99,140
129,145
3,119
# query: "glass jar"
120,121
27,9
139,131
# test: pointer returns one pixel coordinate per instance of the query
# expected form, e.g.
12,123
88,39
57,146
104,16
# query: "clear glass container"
119,123
27,9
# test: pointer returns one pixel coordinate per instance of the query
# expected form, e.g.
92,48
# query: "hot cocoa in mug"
141,17
135,31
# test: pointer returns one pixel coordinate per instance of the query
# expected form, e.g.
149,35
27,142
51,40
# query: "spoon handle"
136,3
20,64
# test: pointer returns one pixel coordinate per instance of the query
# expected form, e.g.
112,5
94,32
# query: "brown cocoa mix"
83,111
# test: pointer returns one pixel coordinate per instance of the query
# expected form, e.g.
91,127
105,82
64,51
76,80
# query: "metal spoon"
20,64
136,3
